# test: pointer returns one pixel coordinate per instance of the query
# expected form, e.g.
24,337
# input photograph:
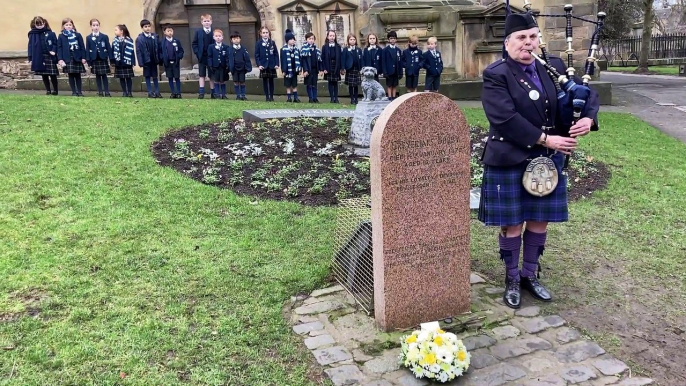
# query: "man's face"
520,44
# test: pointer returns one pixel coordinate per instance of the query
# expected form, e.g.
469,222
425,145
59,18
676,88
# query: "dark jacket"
515,119
199,47
98,49
218,58
144,55
246,58
266,54
413,60
41,41
311,59
166,57
347,57
392,62
372,58
122,47
433,66
326,57
63,52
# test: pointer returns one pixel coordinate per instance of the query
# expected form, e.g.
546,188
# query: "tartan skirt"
101,67
74,67
268,73
352,77
50,63
505,202
123,72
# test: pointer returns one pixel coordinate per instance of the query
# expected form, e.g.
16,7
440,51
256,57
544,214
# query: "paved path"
519,348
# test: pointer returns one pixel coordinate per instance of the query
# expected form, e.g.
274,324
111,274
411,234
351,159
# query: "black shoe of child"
213,96
296,100
244,98
130,95
54,92
224,97
107,95
335,100
201,96
310,100
101,94
158,95
289,100
151,95
48,92
81,94
74,94
172,96
178,96
238,98
316,100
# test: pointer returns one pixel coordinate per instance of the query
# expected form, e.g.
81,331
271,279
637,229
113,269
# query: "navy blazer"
348,55
199,49
413,60
515,119
326,58
433,66
165,56
311,62
98,48
122,47
372,58
218,58
286,57
266,54
391,61
246,57
63,52
145,56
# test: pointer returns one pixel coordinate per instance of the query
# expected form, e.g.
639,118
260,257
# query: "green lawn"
662,70
114,267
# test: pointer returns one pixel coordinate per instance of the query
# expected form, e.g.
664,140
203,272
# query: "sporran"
540,177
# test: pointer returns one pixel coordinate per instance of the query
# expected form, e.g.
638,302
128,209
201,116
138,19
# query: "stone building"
469,32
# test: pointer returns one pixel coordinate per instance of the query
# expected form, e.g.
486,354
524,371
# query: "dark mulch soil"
305,160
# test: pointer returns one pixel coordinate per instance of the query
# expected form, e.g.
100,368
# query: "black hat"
518,22
289,35
392,34
235,34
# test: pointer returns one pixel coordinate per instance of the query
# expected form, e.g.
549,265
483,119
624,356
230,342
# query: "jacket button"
501,138
494,137
528,146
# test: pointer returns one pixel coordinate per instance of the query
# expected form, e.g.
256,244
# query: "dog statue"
371,89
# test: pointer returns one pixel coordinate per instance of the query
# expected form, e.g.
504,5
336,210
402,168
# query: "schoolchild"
267,59
148,55
331,64
433,63
352,63
43,53
413,60
171,53
98,52
71,53
371,56
218,62
124,58
202,40
290,66
392,64
311,58
239,65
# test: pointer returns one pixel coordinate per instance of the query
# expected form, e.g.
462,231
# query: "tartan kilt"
332,77
352,77
74,67
505,202
101,67
268,73
123,72
50,65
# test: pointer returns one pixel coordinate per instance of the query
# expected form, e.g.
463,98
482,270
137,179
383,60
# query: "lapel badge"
533,95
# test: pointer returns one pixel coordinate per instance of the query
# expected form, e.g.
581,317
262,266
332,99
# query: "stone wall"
12,69
554,33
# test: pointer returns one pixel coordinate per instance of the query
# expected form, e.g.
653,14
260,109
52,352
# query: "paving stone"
331,355
549,380
494,290
528,312
302,329
318,332
393,375
605,381
636,382
537,364
360,356
536,325
505,332
306,318
566,335
345,375
356,326
385,363
577,374
382,382
481,360
411,380
326,291
318,308
578,352
479,341
496,375
519,347
319,341
475,279
610,366
324,298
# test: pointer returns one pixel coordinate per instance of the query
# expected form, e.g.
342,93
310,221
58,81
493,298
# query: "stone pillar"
554,33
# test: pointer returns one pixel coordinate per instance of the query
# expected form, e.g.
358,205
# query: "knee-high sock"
355,91
178,86
534,244
350,91
314,92
122,83
271,87
237,89
335,90
156,82
105,83
222,87
72,83
509,253
265,86
46,82
217,89
53,80
331,90
129,85
78,83
242,89
148,85
171,85
98,82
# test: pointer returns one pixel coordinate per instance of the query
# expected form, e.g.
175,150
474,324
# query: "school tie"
533,75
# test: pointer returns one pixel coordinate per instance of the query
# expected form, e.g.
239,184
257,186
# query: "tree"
621,15
648,18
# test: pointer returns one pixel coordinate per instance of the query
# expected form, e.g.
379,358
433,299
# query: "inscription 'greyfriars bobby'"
420,184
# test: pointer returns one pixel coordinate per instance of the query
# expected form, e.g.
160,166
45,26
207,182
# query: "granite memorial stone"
420,183
366,115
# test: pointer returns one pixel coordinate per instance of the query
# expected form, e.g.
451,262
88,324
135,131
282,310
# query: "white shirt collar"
236,46
147,35
169,39
207,30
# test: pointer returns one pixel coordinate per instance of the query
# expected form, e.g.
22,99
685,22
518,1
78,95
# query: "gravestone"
420,184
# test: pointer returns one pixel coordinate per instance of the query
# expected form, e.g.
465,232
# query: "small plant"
288,147
182,149
223,125
342,194
291,191
343,126
338,165
225,136
211,175
204,133
325,151
362,166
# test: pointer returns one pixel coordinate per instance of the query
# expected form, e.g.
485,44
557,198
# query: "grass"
118,271
662,70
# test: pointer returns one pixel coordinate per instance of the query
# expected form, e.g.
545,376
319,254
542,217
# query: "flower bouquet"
434,354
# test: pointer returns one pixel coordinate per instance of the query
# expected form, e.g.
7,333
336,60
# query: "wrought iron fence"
668,46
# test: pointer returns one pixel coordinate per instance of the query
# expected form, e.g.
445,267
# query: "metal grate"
353,265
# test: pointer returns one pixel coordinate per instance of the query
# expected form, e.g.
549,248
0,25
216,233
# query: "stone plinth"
364,120
420,185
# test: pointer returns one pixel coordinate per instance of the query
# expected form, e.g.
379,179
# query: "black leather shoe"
535,288
513,293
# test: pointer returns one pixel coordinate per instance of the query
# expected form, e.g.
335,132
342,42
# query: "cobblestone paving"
508,347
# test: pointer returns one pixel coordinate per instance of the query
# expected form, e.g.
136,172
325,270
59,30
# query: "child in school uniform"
218,62
371,56
71,53
267,59
413,60
311,62
147,52
43,53
98,52
239,65
202,40
171,53
290,66
433,65
392,64
124,58
352,63
331,64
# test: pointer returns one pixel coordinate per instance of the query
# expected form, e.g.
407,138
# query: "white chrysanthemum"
443,377
435,368
444,355
423,336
